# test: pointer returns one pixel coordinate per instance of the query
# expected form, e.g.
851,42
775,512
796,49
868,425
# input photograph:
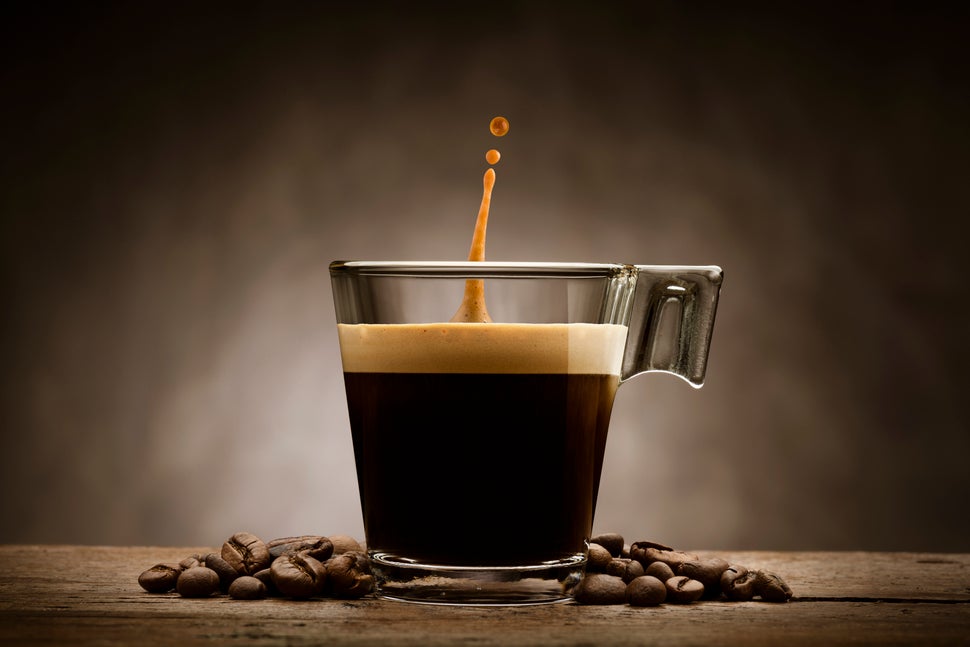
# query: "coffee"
499,126
472,308
479,445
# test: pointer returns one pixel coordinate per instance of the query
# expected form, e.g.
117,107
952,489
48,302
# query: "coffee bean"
646,591
280,545
737,583
246,553
647,552
659,570
296,575
160,578
317,547
683,590
643,545
599,588
321,550
345,544
771,588
707,572
611,541
247,587
197,582
625,569
191,562
266,577
227,574
349,575
597,559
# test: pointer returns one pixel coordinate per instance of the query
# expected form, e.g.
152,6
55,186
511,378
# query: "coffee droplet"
499,126
472,309
493,156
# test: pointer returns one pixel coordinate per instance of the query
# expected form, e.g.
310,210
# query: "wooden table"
62,595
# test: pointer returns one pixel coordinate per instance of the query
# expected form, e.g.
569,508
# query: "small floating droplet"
499,126
493,156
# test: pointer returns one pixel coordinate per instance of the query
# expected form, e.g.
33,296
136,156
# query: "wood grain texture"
66,595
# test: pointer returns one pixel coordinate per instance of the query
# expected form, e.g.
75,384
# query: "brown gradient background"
175,180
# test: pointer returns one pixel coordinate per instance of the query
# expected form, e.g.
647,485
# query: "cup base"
546,583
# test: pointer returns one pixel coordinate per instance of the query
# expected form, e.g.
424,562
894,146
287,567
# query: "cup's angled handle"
671,321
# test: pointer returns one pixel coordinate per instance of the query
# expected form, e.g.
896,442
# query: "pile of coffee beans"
247,568
642,574
647,574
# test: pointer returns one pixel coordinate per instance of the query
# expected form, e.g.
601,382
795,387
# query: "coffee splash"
472,309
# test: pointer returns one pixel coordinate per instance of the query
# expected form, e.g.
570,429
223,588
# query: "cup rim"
478,268
509,269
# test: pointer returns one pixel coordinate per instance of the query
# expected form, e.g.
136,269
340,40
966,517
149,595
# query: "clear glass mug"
479,446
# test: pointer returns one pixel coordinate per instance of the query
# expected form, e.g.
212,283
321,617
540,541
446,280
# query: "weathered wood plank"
927,576
54,595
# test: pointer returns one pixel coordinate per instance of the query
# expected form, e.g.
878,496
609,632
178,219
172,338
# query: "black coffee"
462,469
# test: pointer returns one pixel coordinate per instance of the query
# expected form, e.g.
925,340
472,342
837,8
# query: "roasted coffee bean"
611,541
646,591
625,569
637,548
266,577
321,550
247,587
197,582
296,575
227,574
597,559
348,575
707,572
246,553
345,544
160,578
683,590
280,545
317,547
659,570
770,587
191,562
737,583
647,552
599,588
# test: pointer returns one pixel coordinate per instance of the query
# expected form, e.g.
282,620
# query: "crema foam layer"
577,348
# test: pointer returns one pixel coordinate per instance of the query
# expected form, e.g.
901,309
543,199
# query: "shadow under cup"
479,446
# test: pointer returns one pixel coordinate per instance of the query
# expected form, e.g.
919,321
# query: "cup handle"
671,321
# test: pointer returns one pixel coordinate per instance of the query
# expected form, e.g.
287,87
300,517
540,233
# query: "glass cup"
479,446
